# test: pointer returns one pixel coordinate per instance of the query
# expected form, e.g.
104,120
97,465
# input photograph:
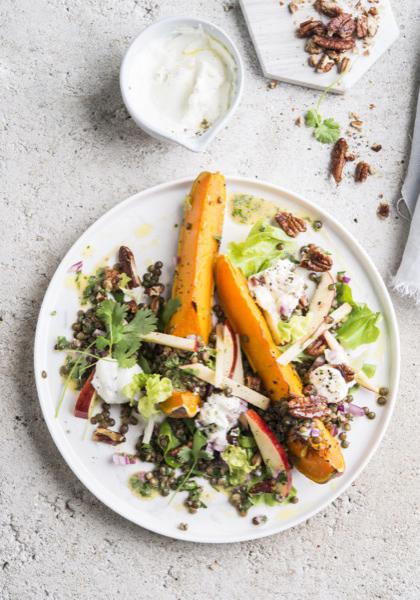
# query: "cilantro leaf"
123,339
327,132
313,118
170,308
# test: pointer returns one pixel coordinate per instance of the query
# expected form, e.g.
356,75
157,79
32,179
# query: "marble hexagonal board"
281,53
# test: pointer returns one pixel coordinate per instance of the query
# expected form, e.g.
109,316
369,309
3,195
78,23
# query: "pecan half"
111,280
128,265
107,436
338,159
312,48
308,407
362,26
310,27
317,347
155,290
266,486
330,43
290,224
346,371
372,26
362,171
328,8
325,64
342,25
344,65
314,259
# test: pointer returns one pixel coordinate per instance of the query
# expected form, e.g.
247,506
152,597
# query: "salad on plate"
245,370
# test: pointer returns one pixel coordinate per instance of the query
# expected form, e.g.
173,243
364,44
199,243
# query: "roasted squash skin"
321,461
198,244
256,339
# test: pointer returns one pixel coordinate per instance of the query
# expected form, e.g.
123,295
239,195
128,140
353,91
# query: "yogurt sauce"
184,82
110,379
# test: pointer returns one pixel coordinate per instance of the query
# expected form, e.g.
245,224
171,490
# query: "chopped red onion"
315,432
122,458
334,430
341,408
345,279
76,267
356,411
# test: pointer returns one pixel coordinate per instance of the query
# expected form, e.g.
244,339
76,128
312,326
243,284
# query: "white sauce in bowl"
183,82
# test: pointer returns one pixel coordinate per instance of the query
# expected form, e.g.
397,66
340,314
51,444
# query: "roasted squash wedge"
318,461
197,248
256,340
182,404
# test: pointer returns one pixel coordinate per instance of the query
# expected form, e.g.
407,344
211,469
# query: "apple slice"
359,376
321,302
272,452
86,399
238,372
333,318
245,393
230,350
220,366
173,341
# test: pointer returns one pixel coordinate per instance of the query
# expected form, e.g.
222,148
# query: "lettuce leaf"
359,328
148,391
264,245
369,370
293,329
237,461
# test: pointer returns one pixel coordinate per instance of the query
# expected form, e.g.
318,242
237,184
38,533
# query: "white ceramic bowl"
165,27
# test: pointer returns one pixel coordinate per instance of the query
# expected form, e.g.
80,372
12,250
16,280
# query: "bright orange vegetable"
256,340
181,404
197,248
318,461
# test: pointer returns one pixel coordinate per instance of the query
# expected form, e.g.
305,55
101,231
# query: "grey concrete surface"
68,153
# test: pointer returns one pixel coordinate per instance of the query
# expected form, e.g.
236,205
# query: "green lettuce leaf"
264,245
293,329
237,461
359,328
369,370
148,391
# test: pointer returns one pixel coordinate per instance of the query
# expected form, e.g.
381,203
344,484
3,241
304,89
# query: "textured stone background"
68,153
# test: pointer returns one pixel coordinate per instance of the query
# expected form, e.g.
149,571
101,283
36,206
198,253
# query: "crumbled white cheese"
278,289
110,379
218,415
329,383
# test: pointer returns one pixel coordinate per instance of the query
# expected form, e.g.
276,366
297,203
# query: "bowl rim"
200,143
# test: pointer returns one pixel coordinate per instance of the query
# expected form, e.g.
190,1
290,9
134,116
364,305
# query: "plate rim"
80,470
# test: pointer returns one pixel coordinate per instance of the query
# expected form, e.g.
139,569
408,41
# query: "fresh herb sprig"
326,131
194,454
122,339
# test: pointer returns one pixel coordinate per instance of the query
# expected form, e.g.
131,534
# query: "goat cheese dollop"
110,379
329,383
183,82
278,289
218,415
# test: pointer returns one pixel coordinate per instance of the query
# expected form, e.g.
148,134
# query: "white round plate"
146,223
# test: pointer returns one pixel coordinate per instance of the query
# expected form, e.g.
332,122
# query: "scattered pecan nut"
155,290
325,64
372,25
328,7
312,48
376,147
107,436
317,347
128,265
310,27
111,279
338,159
265,487
346,371
362,26
342,25
330,43
315,259
344,65
308,407
383,210
362,171
290,224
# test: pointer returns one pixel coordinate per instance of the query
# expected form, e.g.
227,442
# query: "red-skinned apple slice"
86,399
230,350
272,452
173,341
